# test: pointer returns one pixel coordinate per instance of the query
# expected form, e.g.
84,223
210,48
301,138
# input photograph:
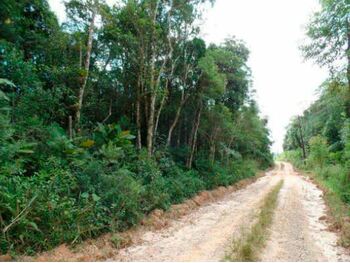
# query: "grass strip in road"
250,244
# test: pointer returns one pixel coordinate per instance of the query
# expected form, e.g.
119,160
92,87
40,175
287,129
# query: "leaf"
25,151
70,151
126,135
95,197
85,195
87,144
3,96
35,226
6,82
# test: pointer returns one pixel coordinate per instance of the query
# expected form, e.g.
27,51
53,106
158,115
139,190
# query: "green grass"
251,242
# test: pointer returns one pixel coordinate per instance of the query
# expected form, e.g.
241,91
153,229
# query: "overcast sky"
272,29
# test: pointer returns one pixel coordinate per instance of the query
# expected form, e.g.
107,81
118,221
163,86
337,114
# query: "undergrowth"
93,185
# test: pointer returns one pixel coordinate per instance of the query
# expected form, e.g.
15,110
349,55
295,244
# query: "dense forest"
118,111
319,139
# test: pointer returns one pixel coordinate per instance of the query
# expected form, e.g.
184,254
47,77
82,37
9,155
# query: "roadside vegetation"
318,141
248,246
116,112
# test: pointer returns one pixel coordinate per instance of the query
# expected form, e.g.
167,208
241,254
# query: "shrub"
337,178
156,195
146,168
318,152
120,194
185,185
293,156
39,211
191,183
59,190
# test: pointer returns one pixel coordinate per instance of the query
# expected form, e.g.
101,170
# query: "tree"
329,34
211,85
83,14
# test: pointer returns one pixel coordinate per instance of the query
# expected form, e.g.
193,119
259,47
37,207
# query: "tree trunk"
348,75
86,68
150,126
153,88
177,117
158,115
227,154
80,55
109,111
178,140
70,127
212,148
193,139
169,57
138,122
212,151
138,115
302,142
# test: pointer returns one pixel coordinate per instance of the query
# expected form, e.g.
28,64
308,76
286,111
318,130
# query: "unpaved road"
297,233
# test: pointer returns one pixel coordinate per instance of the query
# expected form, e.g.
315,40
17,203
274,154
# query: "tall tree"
329,34
82,14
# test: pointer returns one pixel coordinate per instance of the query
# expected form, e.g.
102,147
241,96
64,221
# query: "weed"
119,241
251,242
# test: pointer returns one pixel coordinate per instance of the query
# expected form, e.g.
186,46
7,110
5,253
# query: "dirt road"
297,233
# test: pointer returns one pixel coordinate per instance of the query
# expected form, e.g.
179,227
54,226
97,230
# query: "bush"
42,207
327,166
156,195
337,178
319,153
89,185
191,183
295,157
146,168
246,168
121,196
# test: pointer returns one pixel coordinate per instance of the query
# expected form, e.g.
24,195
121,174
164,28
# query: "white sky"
272,29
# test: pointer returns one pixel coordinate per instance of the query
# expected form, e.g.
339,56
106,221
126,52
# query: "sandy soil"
298,232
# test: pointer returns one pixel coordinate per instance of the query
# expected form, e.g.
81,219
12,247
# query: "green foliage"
326,133
63,181
88,188
319,153
328,32
120,193
185,185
